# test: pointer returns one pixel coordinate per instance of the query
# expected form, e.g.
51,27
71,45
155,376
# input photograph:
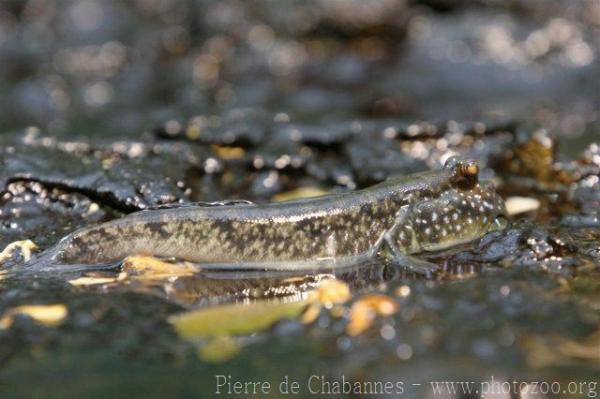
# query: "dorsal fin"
175,205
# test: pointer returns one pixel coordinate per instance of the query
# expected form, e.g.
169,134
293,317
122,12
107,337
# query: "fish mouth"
500,222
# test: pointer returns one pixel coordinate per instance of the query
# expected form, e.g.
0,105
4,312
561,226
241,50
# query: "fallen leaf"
228,152
150,268
25,246
47,315
517,205
225,322
364,310
332,291
303,192
88,281
234,319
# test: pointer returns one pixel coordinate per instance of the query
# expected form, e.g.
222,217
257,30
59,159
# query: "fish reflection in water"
212,287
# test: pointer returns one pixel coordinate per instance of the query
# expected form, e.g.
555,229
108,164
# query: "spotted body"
411,214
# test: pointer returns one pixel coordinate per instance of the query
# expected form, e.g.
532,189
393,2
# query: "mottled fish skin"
439,211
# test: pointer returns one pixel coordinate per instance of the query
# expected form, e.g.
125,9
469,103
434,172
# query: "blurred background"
112,106
117,68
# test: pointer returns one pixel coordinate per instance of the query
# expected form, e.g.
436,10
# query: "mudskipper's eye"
500,222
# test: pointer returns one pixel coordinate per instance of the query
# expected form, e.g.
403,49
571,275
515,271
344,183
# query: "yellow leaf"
87,281
332,291
234,319
228,152
25,246
365,309
517,205
382,304
302,192
361,318
47,315
150,268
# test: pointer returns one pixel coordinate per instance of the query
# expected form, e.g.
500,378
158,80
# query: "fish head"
463,212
